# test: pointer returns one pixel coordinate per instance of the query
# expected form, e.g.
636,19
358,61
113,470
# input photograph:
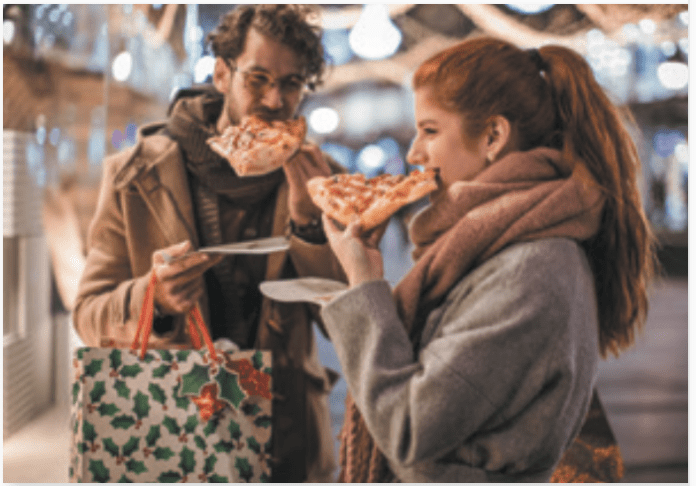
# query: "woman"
532,260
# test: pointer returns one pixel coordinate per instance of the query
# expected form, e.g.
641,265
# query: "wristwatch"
312,232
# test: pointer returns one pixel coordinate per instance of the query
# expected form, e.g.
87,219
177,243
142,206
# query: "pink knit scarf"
523,196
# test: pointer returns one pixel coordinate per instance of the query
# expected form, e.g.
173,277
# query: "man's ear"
222,75
498,135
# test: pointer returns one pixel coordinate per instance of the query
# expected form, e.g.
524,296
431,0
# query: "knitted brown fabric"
524,196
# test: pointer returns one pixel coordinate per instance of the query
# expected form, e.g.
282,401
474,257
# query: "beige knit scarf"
523,196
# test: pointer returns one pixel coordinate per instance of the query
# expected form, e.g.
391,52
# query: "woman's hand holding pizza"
307,163
358,252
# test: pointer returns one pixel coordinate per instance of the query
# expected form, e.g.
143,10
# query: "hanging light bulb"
374,36
673,75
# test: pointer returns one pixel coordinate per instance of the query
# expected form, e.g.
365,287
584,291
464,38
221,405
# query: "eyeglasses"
260,82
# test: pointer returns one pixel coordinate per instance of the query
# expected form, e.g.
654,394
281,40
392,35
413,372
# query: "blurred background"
79,79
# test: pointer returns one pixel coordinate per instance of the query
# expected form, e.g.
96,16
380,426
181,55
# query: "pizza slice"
345,196
256,147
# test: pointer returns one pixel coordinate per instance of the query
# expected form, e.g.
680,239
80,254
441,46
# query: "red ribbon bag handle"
196,325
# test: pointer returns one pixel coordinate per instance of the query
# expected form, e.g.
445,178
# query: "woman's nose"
415,156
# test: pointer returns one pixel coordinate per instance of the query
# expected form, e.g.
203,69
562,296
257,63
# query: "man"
170,194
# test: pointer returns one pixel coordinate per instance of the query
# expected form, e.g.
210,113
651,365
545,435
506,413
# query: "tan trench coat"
145,205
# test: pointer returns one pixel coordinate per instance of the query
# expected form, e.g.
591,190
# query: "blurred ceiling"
429,28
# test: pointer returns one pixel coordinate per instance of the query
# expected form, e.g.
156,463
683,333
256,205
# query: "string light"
374,36
122,65
530,8
324,120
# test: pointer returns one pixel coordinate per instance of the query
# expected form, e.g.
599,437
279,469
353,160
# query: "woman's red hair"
554,100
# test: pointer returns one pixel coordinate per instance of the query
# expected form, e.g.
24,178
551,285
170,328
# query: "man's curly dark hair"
287,24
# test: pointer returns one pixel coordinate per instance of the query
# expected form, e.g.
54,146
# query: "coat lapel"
163,185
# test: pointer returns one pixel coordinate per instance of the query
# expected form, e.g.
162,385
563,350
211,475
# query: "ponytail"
622,254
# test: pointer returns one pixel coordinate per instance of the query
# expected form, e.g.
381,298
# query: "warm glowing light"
371,158
204,68
324,120
530,8
374,36
648,26
673,75
8,31
122,65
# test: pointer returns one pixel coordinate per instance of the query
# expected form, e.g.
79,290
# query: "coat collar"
156,170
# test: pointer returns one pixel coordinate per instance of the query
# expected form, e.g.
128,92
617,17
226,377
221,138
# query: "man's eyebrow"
264,70
425,122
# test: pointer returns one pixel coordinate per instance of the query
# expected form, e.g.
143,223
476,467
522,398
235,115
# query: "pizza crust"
256,147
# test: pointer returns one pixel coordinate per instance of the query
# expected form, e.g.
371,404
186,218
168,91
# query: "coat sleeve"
496,355
110,298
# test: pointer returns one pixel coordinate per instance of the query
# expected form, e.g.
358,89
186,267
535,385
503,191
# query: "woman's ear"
222,75
498,135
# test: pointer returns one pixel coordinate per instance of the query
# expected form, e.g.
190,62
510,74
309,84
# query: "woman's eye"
429,131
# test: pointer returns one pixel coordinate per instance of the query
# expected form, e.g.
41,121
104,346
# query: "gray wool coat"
503,377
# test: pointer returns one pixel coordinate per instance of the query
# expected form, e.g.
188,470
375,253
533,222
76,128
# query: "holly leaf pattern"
137,467
109,409
98,391
99,471
149,357
94,367
257,360
131,446
211,426
181,402
200,442
131,371
253,444
234,429
122,422
250,409
169,477
190,425
246,472
188,462
157,393
142,405
182,356
110,447
153,435
88,432
216,478
171,425
161,371
193,381
163,453
229,389
224,446
115,358
122,389
209,464
75,391
124,479
165,354
262,421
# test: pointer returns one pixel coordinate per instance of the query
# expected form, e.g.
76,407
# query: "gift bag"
194,415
